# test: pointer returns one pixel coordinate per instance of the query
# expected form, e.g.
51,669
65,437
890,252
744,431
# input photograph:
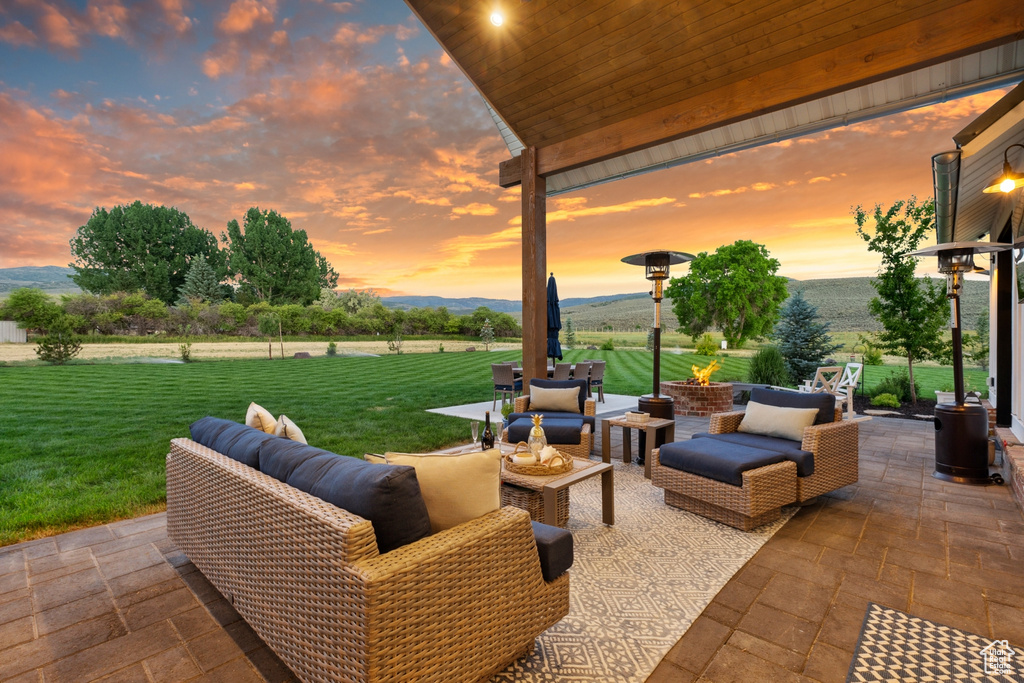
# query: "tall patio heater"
657,264
961,429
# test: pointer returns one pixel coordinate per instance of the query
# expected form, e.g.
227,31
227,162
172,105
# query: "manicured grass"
85,444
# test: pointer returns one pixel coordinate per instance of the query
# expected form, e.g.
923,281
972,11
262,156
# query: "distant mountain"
47,278
456,305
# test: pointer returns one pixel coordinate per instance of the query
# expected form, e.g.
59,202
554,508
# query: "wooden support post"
535,296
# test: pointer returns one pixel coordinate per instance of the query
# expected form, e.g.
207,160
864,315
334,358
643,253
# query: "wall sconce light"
1010,180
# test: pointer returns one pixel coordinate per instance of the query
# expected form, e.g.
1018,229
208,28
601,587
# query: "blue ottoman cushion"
554,546
557,431
551,415
789,449
714,459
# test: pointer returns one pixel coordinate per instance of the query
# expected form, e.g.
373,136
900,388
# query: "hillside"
54,279
843,302
514,307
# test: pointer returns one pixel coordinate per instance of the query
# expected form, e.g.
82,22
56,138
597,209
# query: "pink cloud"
243,15
17,34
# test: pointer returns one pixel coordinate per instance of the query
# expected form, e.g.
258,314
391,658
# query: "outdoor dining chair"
582,371
597,379
505,383
562,371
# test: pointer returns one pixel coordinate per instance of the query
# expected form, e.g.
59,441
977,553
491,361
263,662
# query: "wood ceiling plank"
561,40
625,76
937,37
721,66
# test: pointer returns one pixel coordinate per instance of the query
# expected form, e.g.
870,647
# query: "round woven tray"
535,470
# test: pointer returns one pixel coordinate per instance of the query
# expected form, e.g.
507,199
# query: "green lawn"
85,444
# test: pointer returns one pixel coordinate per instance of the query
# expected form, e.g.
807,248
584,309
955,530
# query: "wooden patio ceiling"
585,81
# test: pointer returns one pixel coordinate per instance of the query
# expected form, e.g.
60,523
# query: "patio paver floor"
121,602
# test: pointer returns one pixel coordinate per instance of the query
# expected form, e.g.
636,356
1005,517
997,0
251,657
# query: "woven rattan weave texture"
458,605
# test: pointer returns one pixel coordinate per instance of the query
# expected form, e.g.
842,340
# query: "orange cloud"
17,34
243,15
475,209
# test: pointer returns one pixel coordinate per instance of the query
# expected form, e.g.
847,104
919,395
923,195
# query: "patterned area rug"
636,587
895,646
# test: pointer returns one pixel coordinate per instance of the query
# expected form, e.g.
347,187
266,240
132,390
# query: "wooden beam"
535,295
973,26
510,173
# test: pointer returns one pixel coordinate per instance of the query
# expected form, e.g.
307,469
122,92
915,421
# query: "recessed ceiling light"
497,19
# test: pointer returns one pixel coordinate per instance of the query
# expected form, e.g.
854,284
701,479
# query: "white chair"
825,381
847,386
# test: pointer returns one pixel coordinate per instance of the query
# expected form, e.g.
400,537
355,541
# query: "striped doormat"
895,646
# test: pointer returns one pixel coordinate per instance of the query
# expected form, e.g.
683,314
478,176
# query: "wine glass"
475,426
497,435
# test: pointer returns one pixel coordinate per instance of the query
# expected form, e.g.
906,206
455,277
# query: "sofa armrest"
835,446
475,586
725,423
522,404
590,407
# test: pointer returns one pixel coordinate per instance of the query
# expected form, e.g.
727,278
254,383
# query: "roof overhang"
982,144
616,87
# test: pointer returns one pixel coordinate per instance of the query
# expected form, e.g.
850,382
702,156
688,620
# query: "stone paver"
121,603
898,537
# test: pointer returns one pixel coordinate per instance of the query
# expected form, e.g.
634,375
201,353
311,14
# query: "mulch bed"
924,410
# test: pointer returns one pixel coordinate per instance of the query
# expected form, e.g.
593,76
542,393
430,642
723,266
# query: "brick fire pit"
698,401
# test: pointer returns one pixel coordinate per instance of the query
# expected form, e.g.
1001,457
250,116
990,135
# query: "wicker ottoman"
763,490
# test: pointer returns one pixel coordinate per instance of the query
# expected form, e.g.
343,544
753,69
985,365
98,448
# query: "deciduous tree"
912,311
140,247
277,263
735,289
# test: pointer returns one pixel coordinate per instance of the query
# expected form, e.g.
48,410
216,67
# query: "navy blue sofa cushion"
714,459
557,431
237,441
279,458
825,403
564,384
790,449
554,546
386,495
588,419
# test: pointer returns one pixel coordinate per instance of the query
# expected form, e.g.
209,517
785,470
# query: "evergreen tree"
487,334
802,338
570,334
201,283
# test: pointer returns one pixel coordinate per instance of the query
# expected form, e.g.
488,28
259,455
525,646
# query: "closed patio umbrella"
554,320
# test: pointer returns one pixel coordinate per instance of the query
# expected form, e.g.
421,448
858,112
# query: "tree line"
333,314
153,249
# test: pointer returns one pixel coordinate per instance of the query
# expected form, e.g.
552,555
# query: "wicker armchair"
834,445
459,605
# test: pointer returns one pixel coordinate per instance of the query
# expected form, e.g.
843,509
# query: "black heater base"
961,444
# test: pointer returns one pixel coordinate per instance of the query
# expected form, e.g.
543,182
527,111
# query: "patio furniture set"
507,377
340,565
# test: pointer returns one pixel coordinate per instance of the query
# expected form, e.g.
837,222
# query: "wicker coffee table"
546,498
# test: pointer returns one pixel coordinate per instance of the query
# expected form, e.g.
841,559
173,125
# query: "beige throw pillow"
555,400
289,430
456,488
785,423
375,458
260,418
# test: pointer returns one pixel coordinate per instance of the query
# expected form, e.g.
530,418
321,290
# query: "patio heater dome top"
674,257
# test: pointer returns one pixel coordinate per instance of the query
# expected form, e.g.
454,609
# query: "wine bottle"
487,440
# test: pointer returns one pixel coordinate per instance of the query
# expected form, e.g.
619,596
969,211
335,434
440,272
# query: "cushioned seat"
554,546
548,415
557,431
236,441
789,449
718,460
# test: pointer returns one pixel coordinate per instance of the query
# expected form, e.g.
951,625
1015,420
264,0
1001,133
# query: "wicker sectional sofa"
308,576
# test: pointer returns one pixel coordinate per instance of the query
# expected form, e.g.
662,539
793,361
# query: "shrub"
887,400
768,366
332,349
608,345
872,354
706,346
897,384
60,343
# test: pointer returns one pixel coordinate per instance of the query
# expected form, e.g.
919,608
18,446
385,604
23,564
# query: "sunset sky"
348,119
